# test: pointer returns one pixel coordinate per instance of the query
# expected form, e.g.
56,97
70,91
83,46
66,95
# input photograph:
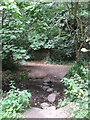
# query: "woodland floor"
38,73
39,76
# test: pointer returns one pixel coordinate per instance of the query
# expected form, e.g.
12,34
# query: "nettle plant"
14,103
76,86
77,83
76,91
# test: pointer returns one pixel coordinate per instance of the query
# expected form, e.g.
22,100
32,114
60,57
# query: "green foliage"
37,41
80,108
32,25
77,84
80,70
12,28
44,24
76,91
64,102
15,102
22,76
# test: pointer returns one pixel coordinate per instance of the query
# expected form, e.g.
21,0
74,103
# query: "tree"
76,27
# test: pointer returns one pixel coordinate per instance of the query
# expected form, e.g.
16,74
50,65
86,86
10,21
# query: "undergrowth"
76,91
14,103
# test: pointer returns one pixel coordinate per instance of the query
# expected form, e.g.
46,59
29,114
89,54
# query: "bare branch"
76,8
69,10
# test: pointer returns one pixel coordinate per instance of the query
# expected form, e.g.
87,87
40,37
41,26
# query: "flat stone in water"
44,105
52,97
50,90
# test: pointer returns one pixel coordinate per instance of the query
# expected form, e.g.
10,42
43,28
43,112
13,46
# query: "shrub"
10,35
15,102
77,83
76,91
64,102
76,86
80,70
80,108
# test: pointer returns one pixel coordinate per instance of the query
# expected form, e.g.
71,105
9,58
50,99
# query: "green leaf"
27,57
23,51
13,37
22,62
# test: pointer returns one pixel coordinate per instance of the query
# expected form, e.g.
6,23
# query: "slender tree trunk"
76,37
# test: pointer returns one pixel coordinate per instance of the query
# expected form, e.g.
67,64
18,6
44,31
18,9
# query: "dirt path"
46,89
41,70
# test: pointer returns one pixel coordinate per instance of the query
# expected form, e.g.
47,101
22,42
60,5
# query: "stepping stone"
44,105
45,87
50,112
50,90
51,108
52,97
48,80
46,84
34,112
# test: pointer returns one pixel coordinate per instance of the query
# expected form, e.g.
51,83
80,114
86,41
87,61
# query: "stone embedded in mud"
44,105
50,90
46,84
45,87
48,80
52,85
52,97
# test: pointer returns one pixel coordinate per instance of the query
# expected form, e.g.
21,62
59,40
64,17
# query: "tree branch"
76,8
